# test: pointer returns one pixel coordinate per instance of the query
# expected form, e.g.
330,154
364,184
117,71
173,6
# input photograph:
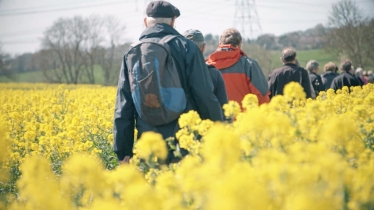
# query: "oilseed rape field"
292,154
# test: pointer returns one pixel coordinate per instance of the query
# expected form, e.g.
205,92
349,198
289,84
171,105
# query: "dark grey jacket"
317,83
345,79
196,83
327,78
219,85
289,72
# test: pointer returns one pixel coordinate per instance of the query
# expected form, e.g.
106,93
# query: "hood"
225,56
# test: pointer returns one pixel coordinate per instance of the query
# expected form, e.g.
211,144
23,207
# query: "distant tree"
262,56
110,55
319,30
23,63
318,33
211,44
81,45
49,62
208,37
5,65
351,34
65,38
368,48
267,41
289,40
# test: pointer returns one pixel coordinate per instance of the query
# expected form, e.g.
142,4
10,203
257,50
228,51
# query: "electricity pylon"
246,19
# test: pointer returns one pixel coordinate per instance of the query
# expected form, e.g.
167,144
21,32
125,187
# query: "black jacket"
317,83
345,79
327,78
218,85
359,80
289,72
195,80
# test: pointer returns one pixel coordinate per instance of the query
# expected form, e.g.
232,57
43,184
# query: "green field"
32,77
38,77
321,56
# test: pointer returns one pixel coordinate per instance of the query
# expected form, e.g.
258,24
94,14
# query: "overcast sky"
22,22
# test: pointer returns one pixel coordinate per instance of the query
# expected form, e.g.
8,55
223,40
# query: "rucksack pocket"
156,105
174,99
148,91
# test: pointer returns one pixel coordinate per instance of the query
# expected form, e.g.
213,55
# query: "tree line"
74,50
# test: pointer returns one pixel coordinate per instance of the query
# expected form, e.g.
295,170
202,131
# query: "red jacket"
242,75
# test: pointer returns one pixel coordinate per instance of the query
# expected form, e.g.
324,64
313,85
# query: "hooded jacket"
195,80
242,75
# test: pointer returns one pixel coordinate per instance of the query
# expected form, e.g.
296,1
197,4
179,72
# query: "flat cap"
194,35
162,9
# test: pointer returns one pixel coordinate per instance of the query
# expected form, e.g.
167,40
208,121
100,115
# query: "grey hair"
231,36
359,72
151,21
312,65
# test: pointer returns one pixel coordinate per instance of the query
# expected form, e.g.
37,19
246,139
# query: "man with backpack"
162,76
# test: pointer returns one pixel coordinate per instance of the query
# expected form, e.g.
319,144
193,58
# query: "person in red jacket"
242,75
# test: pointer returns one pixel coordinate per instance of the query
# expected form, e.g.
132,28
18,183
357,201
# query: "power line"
20,11
60,9
44,6
294,10
31,31
246,14
195,13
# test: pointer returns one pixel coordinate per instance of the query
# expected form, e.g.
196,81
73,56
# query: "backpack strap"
135,43
168,38
132,46
164,41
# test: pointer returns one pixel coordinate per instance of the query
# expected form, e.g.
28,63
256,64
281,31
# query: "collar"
289,64
313,73
346,72
225,56
330,72
158,30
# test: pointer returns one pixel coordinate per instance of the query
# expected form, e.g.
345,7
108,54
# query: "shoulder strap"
165,39
135,43
168,38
